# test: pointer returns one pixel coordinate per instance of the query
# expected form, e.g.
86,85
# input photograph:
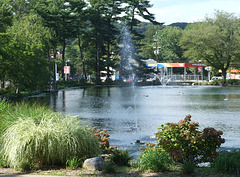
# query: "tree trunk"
98,64
63,57
54,77
2,84
108,60
224,74
82,58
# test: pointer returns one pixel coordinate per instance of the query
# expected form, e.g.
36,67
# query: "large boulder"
96,163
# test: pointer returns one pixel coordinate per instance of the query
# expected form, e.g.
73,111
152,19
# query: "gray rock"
96,163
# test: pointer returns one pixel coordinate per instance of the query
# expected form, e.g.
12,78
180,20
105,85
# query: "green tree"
80,27
59,17
6,17
214,41
168,41
111,14
28,68
133,10
97,31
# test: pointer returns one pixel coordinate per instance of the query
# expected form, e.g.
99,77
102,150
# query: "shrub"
227,162
103,138
109,168
47,139
217,82
120,157
188,168
155,159
233,81
186,143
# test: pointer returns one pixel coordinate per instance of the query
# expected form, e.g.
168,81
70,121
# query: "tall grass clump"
46,138
154,158
227,162
5,110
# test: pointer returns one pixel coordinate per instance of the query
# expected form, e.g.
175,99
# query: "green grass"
33,135
154,159
227,162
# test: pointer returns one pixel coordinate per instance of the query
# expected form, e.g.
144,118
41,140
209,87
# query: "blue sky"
170,11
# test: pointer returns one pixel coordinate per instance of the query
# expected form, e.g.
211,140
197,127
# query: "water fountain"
127,55
163,76
126,69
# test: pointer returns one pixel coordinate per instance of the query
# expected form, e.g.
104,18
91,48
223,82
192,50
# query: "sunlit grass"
35,135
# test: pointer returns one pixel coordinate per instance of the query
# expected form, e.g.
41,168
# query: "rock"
96,163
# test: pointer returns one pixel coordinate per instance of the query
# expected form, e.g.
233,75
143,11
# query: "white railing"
175,77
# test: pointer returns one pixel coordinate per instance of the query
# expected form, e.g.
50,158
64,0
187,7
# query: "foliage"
109,168
169,43
154,158
45,138
75,162
3,161
214,41
233,81
188,168
103,138
227,162
28,53
120,157
186,143
217,82
5,109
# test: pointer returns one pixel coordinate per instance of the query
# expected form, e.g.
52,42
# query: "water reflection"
132,113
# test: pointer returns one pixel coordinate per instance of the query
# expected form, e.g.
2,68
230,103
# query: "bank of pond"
34,137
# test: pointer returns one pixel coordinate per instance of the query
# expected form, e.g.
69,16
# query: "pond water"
135,113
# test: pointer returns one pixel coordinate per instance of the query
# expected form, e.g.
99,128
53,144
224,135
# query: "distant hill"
180,24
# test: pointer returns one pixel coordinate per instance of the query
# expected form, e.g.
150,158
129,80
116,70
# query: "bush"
227,162
188,168
109,168
233,81
120,157
217,82
155,159
46,138
103,138
186,143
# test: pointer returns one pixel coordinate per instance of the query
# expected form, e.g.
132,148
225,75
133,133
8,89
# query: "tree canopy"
214,41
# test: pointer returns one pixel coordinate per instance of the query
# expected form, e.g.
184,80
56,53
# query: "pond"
135,113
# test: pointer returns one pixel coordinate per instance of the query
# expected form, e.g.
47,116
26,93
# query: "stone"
95,163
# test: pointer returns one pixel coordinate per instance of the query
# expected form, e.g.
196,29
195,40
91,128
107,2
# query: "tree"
133,10
168,41
59,17
6,17
111,14
29,39
214,41
80,26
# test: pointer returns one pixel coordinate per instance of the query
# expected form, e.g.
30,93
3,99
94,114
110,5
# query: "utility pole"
156,50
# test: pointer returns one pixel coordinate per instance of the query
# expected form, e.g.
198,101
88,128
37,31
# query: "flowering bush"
103,138
186,143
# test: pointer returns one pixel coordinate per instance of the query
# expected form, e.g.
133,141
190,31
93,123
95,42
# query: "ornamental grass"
36,136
